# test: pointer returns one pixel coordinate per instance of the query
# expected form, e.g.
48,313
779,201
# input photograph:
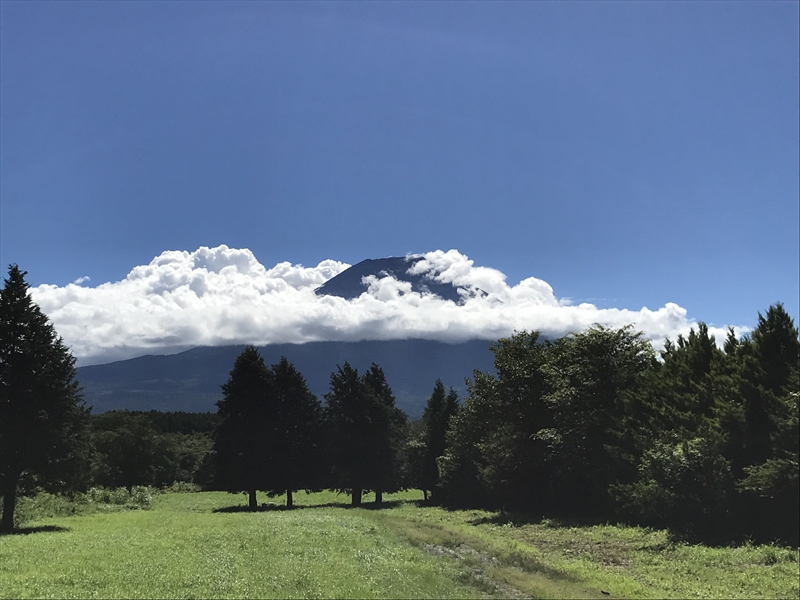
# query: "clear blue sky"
628,153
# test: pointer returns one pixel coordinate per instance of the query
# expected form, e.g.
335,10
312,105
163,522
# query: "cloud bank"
220,296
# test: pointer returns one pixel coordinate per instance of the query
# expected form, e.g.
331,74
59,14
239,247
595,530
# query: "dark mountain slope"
348,284
191,380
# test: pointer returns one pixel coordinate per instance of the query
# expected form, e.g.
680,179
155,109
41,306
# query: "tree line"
597,424
696,438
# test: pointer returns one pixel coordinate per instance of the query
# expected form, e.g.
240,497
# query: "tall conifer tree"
243,434
43,421
293,445
435,419
386,435
364,432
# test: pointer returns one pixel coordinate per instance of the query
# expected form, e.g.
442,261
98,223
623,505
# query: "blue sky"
629,154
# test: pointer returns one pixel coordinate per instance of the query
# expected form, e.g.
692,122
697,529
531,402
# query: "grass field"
205,545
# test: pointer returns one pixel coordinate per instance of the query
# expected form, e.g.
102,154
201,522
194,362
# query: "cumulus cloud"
219,296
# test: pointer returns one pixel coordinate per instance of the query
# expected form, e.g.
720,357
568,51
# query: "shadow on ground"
39,529
268,507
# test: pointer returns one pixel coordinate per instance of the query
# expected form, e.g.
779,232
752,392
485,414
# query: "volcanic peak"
350,284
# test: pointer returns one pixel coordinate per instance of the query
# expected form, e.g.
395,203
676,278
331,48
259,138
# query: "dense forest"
595,425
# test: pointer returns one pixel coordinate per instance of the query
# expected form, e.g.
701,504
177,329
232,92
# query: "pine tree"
387,434
43,420
436,418
365,431
769,371
770,384
293,444
347,420
243,433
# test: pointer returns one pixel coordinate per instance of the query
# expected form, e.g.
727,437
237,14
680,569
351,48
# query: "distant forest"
594,425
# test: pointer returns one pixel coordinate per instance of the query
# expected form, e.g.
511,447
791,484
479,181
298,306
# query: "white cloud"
217,296
81,280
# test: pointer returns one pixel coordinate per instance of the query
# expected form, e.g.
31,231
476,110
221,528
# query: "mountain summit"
350,284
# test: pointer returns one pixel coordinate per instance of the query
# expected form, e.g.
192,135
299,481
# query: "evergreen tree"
769,370
243,434
497,441
436,419
777,350
293,444
386,436
770,389
348,424
42,416
595,376
365,432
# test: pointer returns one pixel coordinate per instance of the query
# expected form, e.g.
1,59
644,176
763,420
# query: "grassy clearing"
550,559
180,548
205,545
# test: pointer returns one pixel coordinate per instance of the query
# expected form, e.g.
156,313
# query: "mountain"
349,283
190,381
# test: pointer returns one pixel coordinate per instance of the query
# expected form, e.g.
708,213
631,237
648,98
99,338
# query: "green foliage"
44,505
493,455
42,416
241,463
554,428
183,422
269,432
704,441
139,496
779,474
129,451
364,433
594,377
686,485
439,409
293,432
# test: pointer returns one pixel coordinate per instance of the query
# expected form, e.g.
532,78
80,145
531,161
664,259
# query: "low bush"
139,496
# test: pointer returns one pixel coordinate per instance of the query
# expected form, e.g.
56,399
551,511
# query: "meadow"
188,545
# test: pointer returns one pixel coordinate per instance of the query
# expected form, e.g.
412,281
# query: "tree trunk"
356,501
378,498
253,503
425,495
289,502
9,503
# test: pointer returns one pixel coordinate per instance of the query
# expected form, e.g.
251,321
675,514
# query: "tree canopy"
243,433
269,433
293,431
364,432
42,415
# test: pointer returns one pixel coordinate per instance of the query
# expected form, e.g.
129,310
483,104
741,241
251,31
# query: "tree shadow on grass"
38,529
269,507
512,518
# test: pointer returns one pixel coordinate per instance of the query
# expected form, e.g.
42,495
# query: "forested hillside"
191,380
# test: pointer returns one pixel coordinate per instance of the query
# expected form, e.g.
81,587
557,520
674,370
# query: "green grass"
204,545
547,559
180,548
